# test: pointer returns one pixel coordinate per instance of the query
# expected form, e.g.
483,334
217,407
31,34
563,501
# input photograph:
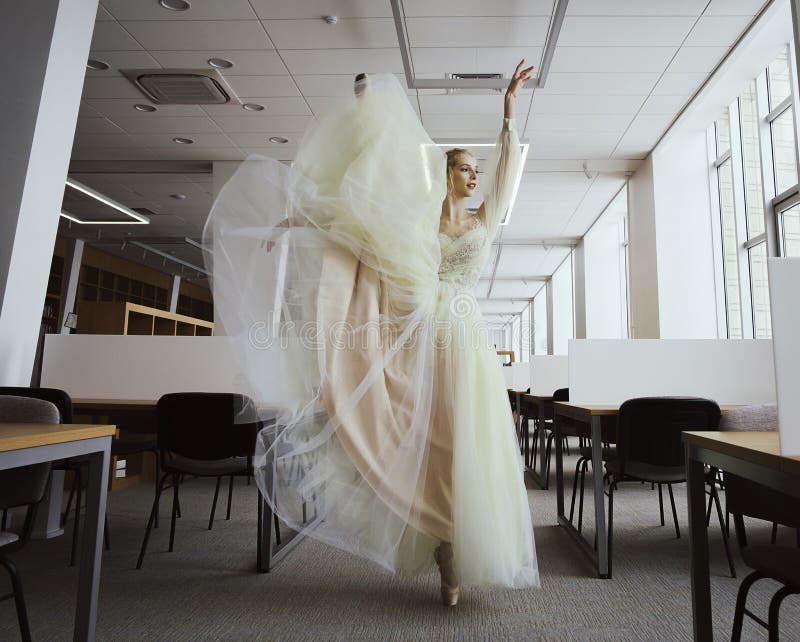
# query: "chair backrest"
649,428
26,484
59,398
562,394
746,498
206,426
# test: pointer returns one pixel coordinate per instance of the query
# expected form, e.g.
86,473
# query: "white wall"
643,269
563,320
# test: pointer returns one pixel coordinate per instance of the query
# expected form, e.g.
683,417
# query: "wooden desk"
26,444
753,455
590,414
543,404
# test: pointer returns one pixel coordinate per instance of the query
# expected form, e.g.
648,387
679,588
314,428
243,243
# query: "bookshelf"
124,317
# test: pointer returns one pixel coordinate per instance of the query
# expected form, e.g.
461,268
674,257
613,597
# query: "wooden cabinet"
109,317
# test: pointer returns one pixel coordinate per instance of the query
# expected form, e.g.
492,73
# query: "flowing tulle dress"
393,430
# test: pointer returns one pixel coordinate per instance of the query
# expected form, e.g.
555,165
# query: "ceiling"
621,72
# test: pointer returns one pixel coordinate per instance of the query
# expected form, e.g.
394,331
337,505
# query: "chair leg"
548,453
661,503
106,535
574,488
76,482
741,602
277,529
175,485
230,497
708,508
4,522
74,553
610,525
19,599
774,537
214,503
725,538
584,468
153,511
534,449
566,443
674,512
774,611
158,476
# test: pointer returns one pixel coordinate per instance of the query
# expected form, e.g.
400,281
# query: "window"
606,269
540,322
525,334
563,318
754,161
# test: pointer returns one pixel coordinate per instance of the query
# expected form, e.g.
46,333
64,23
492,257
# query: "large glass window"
540,323
751,161
563,317
790,231
606,269
782,121
525,335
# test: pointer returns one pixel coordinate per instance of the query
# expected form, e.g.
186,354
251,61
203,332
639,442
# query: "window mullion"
740,214
767,167
716,236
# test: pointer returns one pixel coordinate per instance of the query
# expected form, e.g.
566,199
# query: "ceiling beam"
140,167
529,279
542,242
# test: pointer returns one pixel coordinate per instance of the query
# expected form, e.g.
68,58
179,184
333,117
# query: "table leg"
698,537
545,478
89,579
559,467
599,499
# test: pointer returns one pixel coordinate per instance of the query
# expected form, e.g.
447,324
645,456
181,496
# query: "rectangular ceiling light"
524,156
134,218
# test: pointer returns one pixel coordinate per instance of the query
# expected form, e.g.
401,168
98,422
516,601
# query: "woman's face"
465,176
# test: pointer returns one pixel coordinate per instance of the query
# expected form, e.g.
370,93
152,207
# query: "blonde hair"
452,163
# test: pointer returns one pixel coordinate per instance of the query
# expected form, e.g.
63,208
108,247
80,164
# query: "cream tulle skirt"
393,429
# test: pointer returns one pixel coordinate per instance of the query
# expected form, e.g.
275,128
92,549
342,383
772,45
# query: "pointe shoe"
450,592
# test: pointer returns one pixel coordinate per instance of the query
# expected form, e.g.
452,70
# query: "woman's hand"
518,80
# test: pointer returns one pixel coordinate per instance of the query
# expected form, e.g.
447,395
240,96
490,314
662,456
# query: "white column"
174,293
73,267
579,290
45,45
549,295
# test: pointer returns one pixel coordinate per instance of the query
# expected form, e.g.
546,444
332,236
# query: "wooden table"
543,403
26,444
752,455
590,414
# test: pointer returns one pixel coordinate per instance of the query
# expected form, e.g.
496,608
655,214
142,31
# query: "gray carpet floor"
207,588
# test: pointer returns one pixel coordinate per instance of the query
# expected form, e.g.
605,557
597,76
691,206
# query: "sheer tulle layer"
388,438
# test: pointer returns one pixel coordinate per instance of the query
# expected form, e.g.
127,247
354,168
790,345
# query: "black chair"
650,448
608,432
568,429
23,486
205,435
780,563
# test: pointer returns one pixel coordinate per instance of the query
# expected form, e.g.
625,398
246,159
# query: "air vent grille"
475,77
181,86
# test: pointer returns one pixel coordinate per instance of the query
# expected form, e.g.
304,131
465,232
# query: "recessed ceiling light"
278,139
220,63
253,107
331,20
174,5
180,197
182,141
143,107
97,65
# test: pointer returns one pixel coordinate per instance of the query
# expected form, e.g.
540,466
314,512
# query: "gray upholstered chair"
23,486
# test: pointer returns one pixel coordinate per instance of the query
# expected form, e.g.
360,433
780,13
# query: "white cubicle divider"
94,366
784,275
517,376
549,373
609,371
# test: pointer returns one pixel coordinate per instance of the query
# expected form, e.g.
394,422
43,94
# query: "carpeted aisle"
207,589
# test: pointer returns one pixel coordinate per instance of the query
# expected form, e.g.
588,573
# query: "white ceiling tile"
504,60
281,153
114,87
446,8
201,139
321,105
194,35
467,104
663,104
464,123
281,106
110,153
245,63
597,104
734,7
620,59
635,84
636,7
519,260
696,59
118,107
102,13
198,10
118,140
515,289
121,60
291,9
111,36
96,126
348,33
335,85
717,31
555,257
573,138
599,31
673,84
273,86
343,61
583,151
457,31
272,125
183,152
167,125
439,60
261,140
578,122
599,195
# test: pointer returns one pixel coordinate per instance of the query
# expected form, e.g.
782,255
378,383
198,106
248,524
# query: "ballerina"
395,429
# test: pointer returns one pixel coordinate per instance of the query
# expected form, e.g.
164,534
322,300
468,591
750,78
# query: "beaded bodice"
463,256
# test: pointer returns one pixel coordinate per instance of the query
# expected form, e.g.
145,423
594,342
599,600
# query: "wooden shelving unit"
109,317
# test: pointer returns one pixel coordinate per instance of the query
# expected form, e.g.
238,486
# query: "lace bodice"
463,256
